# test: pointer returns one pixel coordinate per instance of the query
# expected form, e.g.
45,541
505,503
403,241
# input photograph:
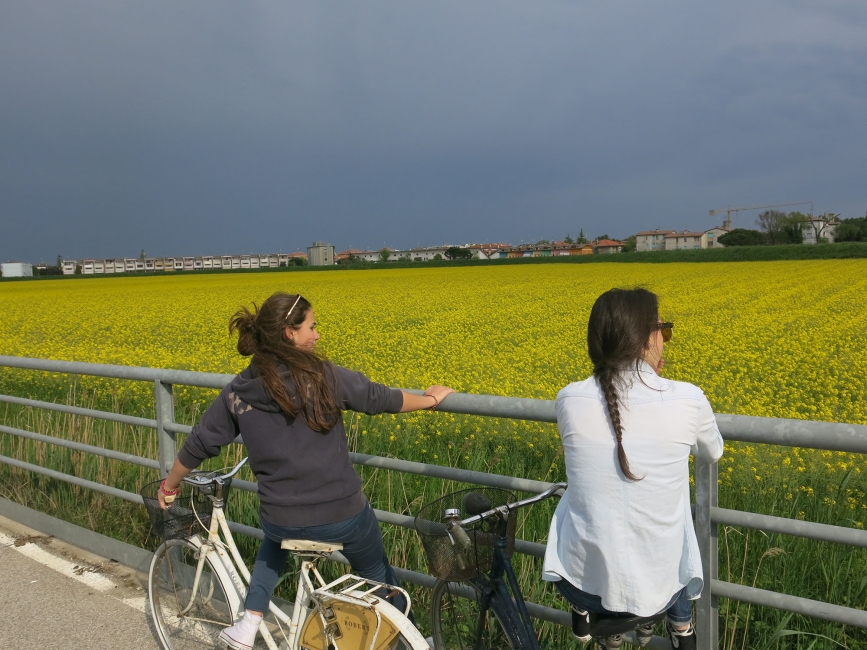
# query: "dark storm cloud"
190,128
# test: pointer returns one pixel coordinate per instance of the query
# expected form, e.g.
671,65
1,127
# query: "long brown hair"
620,326
262,334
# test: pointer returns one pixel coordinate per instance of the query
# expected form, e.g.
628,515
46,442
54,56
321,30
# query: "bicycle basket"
179,519
452,561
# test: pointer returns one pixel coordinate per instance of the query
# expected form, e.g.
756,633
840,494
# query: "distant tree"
581,238
630,245
854,229
542,242
298,261
793,233
437,256
60,261
458,253
773,223
142,255
600,237
384,254
742,237
568,239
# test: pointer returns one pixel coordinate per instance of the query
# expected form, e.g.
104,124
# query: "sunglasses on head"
665,329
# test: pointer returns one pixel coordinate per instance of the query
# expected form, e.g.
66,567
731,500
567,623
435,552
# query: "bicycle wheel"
454,619
186,620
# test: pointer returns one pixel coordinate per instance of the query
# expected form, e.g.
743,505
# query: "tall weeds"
817,570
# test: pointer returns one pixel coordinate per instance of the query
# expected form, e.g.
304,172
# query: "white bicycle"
197,585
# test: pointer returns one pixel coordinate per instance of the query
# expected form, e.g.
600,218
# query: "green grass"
821,571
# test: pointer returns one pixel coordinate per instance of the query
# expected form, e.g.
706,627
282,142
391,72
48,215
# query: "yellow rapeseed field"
782,339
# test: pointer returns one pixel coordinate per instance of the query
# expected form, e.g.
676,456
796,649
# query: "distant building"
686,239
348,253
563,248
824,227
492,251
712,237
69,267
651,240
604,246
16,269
535,250
481,253
296,255
320,254
411,254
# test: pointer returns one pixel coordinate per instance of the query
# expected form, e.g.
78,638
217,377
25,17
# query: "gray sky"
188,128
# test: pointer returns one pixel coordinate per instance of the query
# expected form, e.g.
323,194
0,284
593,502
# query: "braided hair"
621,323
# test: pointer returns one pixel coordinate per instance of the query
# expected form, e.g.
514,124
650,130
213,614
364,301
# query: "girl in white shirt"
622,540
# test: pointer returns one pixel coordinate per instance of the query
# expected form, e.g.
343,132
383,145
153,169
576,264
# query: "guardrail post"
707,607
165,407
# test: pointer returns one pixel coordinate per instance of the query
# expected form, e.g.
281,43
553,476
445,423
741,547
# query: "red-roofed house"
608,246
491,251
349,252
562,248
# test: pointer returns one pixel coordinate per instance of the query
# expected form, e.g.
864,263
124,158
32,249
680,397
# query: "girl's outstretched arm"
431,399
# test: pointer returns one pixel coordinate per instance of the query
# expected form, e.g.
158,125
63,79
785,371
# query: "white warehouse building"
16,269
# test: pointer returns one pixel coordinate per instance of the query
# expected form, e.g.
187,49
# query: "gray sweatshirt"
305,477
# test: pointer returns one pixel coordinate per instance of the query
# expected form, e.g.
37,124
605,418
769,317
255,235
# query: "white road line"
79,572
136,603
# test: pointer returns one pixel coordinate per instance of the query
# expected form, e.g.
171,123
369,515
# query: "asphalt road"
53,595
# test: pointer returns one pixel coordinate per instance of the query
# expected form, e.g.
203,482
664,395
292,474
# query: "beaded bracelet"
169,493
436,402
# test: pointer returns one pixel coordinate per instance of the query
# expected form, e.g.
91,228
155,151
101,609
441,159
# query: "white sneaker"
242,635
681,639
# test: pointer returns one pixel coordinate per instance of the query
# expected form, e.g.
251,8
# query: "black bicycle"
476,603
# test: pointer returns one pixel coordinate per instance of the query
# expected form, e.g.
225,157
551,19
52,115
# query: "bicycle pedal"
643,635
610,642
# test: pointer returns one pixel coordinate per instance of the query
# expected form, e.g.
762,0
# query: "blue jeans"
678,610
362,546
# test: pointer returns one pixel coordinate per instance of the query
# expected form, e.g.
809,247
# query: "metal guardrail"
797,433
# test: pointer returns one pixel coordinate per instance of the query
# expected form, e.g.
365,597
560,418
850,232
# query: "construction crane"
727,224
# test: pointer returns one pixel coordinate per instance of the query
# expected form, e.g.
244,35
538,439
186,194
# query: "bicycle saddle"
306,545
476,503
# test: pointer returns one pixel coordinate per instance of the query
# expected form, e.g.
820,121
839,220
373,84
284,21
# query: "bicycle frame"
233,574
502,579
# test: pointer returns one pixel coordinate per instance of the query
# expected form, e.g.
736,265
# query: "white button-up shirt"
630,542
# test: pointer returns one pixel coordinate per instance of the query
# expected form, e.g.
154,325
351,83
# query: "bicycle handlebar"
459,535
200,479
509,507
